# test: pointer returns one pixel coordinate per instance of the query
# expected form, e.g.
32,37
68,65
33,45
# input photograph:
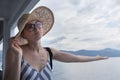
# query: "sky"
83,24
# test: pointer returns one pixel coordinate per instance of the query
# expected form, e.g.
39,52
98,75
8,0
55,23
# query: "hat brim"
44,15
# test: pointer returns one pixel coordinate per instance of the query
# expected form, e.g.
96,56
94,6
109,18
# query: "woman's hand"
98,57
14,46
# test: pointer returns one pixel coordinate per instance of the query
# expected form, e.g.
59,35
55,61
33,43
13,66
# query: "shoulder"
54,51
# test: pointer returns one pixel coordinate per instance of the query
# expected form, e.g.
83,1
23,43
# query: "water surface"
98,70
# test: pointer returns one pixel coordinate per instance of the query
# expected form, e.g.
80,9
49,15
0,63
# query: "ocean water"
98,70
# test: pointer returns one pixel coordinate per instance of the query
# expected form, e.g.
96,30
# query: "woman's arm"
13,61
68,57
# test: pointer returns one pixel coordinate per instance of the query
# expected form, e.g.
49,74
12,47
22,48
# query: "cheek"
24,35
42,31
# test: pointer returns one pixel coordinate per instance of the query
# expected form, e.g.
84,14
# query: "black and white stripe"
28,73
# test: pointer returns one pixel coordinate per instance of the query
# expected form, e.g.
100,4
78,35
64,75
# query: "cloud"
56,40
84,24
74,2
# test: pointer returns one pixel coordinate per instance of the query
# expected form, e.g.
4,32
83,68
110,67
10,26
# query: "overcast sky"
83,24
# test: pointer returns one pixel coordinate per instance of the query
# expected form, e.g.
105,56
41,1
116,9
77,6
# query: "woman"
26,59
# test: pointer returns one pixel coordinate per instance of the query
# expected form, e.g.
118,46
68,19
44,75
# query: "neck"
34,46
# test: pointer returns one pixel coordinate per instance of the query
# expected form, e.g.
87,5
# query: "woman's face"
33,30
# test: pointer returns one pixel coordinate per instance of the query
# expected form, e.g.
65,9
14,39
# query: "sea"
97,70
108,69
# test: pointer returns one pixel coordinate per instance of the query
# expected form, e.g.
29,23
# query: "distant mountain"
105,52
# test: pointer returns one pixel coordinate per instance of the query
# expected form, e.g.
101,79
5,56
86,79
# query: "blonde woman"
26,58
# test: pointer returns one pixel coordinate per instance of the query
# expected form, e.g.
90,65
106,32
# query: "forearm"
12,66
85,58
77,58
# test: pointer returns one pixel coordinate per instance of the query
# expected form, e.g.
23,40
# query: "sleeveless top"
29,73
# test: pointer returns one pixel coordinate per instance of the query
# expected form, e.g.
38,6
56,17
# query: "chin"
39,37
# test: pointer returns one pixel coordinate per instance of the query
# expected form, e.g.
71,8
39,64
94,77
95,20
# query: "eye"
30,27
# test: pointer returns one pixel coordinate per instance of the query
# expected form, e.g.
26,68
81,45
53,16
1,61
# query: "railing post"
6,36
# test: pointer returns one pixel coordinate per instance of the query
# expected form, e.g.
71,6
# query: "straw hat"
43,14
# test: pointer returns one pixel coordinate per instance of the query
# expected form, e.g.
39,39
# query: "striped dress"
28,73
